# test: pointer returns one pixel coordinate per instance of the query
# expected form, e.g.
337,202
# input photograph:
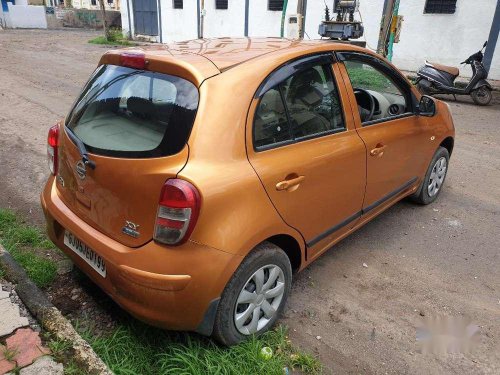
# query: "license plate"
93,259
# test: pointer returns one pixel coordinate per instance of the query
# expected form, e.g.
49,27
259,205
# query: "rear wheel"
481,96
255,296
434,178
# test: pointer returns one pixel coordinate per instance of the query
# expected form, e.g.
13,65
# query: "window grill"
221,4
440,6
275,5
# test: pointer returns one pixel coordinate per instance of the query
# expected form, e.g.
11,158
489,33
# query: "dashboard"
386,104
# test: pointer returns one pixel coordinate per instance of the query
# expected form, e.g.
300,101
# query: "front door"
396,139
307,153
145,17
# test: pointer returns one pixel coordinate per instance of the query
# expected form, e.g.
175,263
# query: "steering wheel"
366,115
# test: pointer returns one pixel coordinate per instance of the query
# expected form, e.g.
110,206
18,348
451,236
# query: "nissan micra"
190,181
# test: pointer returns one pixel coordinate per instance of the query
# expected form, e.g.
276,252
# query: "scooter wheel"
481,96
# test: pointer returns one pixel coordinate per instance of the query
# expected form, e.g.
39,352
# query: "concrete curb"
50,317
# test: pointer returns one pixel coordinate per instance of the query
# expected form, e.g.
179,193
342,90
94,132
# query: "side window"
377,94
313,103
271,124
304,105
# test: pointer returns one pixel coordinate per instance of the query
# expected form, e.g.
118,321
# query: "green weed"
134,348
21,240
115,38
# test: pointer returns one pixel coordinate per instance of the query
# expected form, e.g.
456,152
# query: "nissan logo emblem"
81,170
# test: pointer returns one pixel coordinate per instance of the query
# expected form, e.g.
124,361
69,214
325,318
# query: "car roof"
204,58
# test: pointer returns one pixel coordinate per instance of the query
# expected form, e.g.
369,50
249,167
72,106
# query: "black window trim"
285,71
401,83
276,79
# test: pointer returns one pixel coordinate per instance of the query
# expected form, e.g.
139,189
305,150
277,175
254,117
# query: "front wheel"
481,96
434,178
255,296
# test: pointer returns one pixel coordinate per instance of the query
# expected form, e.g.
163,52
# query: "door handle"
290,184
378,150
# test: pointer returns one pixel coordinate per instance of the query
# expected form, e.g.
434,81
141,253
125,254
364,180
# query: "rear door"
397,141
303,146
135,125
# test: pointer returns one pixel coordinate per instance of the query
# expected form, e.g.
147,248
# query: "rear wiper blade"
81,147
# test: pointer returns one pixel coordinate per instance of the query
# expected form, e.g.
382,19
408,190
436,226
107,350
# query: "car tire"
434,178
242,305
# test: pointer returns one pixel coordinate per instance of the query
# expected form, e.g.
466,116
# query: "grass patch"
134,348
21,241
115,38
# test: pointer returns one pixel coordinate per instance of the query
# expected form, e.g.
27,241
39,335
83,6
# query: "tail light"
52,144
178,211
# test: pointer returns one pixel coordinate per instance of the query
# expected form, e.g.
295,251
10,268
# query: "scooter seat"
448,69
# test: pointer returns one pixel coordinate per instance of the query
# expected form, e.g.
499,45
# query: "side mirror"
426,107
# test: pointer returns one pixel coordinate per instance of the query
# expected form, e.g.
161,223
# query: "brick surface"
11,320
28,346
43,366
5,365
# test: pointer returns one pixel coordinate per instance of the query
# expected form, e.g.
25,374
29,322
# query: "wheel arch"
290,246
448,144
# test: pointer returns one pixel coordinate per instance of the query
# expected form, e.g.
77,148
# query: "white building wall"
263,22
125,12
224,22
178,24
445,38
25,16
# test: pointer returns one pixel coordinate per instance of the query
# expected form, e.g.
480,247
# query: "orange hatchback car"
191,180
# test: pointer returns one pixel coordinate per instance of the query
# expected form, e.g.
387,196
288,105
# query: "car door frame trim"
360,213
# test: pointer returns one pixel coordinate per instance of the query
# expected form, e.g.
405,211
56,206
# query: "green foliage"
115,38
21,241
365,77
133,348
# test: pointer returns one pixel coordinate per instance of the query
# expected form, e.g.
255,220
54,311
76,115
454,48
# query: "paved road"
438,260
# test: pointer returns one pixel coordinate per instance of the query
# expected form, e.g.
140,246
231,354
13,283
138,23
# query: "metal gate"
145,17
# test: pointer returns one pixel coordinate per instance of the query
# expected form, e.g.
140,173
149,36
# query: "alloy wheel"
259,299
437,176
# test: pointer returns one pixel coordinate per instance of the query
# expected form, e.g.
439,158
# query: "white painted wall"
444,38
178,24
263,22
224,22
27,16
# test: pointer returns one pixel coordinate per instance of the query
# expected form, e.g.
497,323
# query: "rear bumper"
169,287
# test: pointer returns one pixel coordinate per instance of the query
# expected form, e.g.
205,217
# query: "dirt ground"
438,260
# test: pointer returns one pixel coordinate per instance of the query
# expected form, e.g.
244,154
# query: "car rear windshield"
124,112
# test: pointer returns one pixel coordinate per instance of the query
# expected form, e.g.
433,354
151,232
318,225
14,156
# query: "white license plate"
86,253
